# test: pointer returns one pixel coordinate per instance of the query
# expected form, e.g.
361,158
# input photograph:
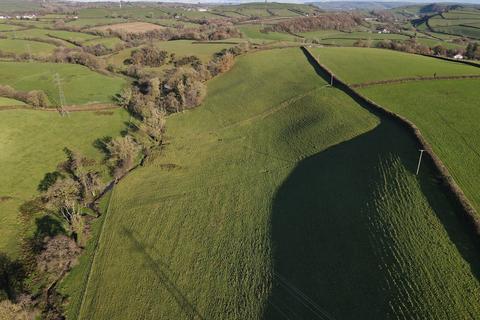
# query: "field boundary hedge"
408,79
470,214
470,63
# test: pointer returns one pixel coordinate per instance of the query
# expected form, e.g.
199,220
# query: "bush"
149,56
35,98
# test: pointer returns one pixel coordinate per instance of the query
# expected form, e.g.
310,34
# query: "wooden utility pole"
419,161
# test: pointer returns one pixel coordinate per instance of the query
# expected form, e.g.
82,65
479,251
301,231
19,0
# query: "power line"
279,310
303,298
29,51
61,95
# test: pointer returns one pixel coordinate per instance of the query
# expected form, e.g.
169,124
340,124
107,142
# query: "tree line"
69,195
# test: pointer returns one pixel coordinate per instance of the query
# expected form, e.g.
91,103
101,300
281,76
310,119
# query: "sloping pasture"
281,197
363,65
31,144
446,111
34,48
79,84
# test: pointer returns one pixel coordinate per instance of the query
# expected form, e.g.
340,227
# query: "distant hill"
359,5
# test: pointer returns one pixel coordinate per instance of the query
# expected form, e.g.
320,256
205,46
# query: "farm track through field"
408,79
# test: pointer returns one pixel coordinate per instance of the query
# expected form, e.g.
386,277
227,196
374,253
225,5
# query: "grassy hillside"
182,48
8,27
442,109
48,34
359,65
34,48
444,112
31,144
276,190
335,37
109,42
462,22
80,84
252,32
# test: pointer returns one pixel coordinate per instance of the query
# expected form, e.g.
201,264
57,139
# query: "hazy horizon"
282,1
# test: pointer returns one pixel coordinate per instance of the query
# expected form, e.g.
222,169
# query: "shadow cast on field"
323,262
325,266
158,268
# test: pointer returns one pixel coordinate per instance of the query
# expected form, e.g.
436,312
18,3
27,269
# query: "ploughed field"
281,197
445,111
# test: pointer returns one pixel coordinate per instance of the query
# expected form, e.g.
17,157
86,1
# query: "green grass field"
109,42
265,10
10,102
180,48
49,34
435,42
80,84
275,189
444,112
360,65
333,35
18,46
462,22
85,23
183,48
252,31
8,27
31,144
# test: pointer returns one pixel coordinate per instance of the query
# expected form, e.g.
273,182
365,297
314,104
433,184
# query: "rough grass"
34,48
447,113
80,84
31,144
274,186
360,65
